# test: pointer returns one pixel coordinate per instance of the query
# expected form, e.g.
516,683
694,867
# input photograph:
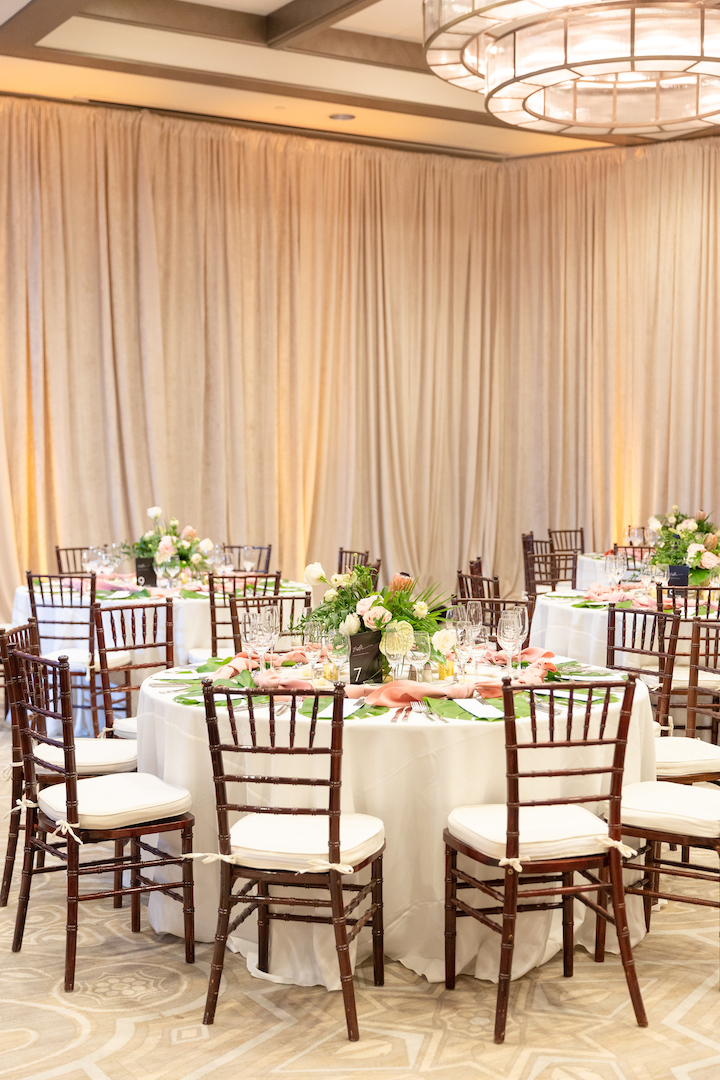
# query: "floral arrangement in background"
353,604
166,541
687,541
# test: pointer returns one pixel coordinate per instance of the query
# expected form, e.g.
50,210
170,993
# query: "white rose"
154,512
314,574
149,534
654,524
183,544
688,525
206,546
420,609
350,625
161,557
340,580
196,558
444,641
331,594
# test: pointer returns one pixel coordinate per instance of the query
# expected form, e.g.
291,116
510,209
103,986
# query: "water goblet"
509,635
464,632
394,651
636,535
651,536
173,566
646,574
338,648
248,559
479,645
313,642
419,653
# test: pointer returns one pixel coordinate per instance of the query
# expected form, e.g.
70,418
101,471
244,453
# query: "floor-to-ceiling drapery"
292,340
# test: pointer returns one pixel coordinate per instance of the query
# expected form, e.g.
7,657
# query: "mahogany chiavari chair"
118,807
548,570
262,556
476,566
635,554
69,559
690,603
61,604
567,540
548,847
347,559
475,586
531,546
222,589
134,639
291,608
375,570
644,643
287,849
704,663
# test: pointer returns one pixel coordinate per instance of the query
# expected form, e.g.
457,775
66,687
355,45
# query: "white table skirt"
570,631
411,775
591,569
191,618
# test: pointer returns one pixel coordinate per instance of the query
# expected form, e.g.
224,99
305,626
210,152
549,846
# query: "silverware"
422,707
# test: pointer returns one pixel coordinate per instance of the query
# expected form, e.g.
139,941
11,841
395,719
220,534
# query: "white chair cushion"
281,842
78,659
117,800
198,656
681,676
680,808
125,727
95,756
683,757
546,832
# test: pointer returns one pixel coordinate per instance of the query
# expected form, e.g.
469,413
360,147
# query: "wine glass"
173,566
651,536
338,649
522,617
270,618
249,632
646,574
419,653
90,560
248,559
636,535
394,651
509,635
463,631
615,567
478,645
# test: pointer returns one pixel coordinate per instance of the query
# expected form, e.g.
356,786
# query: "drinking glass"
479,645
265,635
249,631
313,642
651,536
338,649
636,535
646,574
615,567
248,559
509,635
394,651
464,633
172,568
661,573
419,653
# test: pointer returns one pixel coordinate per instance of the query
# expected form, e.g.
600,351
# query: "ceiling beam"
200,20
300,16
363,49
35,20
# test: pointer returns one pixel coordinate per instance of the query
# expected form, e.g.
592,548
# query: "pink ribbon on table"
530,655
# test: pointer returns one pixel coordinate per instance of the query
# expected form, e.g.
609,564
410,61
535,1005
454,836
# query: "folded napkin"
530,655
245,661
402,692
604,594
280,680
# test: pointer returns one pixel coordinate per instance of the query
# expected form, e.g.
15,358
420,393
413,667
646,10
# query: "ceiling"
293,66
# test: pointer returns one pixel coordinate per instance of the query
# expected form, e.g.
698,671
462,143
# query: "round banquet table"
591,569
191,617
411,774
568,630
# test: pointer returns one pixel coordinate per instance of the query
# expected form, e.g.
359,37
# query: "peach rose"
363,606
188,533
710,560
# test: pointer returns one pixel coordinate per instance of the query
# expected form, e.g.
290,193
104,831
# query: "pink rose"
363,606
188,533
710,560
166,546
377,617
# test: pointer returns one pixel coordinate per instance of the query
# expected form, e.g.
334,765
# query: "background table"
570,631
411,774
590,569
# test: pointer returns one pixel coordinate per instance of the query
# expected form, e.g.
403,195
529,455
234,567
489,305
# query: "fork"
422,707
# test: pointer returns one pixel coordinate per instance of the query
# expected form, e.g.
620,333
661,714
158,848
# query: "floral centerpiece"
166,541
353,605
691,542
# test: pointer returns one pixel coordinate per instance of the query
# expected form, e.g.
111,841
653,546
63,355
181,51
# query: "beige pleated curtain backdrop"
314,344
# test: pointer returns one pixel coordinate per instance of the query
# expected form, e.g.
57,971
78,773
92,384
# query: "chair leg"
600,923
188,896
623,935
567,921
13,833
71,928
263,929
376,869
134,883
221,936
25,879
337,901
651,857
450,916
506,952
685,855
118,874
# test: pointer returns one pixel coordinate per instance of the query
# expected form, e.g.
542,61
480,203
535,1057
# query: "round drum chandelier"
583,67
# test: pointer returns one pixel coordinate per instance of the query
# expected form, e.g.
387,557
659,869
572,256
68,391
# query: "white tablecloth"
191,618
590,569
411,774
570,631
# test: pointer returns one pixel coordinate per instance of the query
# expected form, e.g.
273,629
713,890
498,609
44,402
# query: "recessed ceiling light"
342,116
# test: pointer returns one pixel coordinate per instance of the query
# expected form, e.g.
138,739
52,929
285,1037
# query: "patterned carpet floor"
136,1012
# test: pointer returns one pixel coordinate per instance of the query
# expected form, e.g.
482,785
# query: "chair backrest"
375,571
635,554
584,726
143,630
644,643
476,566
567,540
242,587
259,736
549,569
261,551
41,691
477,587
347,559
291,608
704,657
27,640
689,602
69,559
492,609
62,605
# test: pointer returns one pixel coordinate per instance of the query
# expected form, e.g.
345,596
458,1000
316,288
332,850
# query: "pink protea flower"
401,583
